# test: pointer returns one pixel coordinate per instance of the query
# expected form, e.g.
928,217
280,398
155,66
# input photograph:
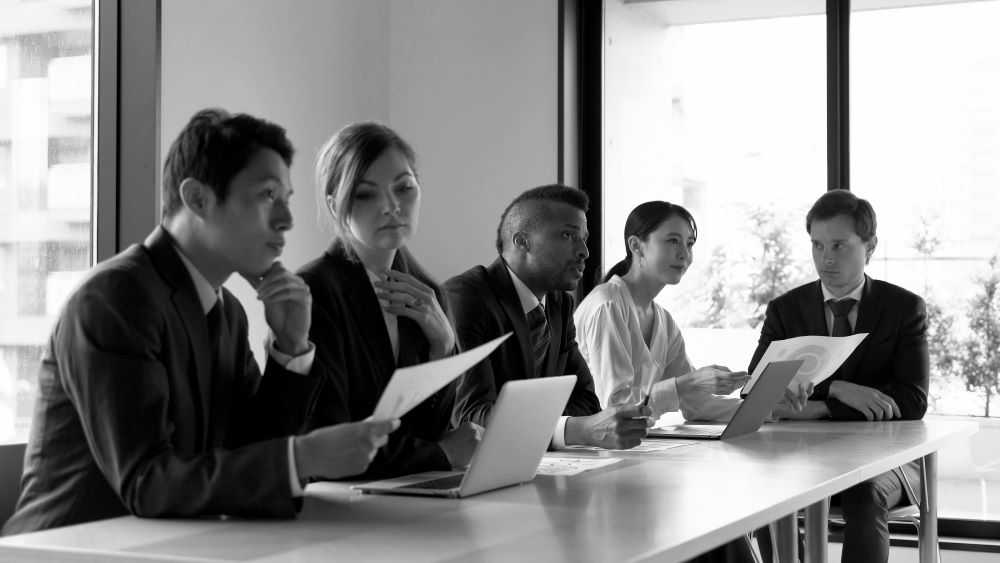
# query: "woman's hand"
718,380
409,297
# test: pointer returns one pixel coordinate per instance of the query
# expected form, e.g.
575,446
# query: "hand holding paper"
412,384
821,356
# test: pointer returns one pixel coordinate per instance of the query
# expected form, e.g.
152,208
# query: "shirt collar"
207,295
853,294
527,298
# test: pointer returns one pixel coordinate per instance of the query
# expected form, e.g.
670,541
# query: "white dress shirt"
610,339
528,303
852,316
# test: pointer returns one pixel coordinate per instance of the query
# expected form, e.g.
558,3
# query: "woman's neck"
376,259
643,290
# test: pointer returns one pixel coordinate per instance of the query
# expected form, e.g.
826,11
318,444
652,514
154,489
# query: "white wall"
311,70
471,84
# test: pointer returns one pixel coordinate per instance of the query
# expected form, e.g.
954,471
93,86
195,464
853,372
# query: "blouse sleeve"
602,334
696,405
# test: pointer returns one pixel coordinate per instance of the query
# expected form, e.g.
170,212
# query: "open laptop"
516,436
751,413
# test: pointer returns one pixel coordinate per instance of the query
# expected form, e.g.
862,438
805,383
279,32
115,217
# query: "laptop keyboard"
449,482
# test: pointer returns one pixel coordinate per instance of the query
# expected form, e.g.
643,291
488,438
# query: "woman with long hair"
632,344
374,307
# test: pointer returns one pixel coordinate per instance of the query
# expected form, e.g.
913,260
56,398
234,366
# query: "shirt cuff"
559,435
293,470
301,364
664,397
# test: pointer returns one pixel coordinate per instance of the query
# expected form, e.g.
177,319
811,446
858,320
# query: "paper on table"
821,356
412,384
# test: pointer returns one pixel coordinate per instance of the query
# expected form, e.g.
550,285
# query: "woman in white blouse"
632,345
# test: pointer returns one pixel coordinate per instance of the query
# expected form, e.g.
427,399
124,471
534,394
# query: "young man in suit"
150,401
886,377
542,241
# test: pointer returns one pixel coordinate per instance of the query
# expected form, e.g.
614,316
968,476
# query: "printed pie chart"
812,357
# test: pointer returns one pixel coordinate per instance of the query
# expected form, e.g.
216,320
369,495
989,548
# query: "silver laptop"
516,436
749,416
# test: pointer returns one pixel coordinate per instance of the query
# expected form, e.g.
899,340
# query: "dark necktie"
841,325
214,320
538,330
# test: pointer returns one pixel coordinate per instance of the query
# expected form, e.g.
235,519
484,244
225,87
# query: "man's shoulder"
893,292
804,291
472,281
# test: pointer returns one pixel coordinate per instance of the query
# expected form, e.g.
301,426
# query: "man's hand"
792,403
872,403
287,307
460,444
340,450
718,380
614,428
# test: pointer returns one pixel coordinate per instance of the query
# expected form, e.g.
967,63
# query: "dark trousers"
866,521
866,531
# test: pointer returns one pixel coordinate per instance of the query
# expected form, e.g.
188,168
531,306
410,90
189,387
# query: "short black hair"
843,202
213,147
523,213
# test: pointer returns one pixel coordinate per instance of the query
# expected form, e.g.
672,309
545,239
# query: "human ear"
195,196
870,248
331,205
634,245
520,240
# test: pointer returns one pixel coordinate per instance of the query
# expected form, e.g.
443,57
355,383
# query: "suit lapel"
185,301
366,310
814,312
503,288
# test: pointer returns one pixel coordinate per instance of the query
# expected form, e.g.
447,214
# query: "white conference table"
650,506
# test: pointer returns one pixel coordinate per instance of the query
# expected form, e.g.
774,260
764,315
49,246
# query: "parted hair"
843,202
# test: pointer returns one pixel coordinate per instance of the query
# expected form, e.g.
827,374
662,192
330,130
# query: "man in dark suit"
542,241
150,401
886,377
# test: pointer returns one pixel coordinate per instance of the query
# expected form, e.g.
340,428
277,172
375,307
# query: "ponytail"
619,269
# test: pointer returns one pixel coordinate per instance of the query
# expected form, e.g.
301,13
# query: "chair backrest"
11,466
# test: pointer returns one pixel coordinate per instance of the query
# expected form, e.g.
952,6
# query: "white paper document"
821,356
412,384
558,465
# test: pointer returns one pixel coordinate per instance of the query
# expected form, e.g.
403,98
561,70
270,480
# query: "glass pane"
727,119
45,184
925,138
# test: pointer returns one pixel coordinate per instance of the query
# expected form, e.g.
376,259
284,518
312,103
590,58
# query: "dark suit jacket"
893,358
485,304
130,417
354,356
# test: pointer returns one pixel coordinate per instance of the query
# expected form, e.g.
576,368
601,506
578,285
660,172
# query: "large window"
925,149
46,208
722,107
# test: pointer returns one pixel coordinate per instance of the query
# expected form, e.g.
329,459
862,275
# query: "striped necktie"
538,328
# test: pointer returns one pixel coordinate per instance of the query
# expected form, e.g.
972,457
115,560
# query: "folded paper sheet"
821,356
412,384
